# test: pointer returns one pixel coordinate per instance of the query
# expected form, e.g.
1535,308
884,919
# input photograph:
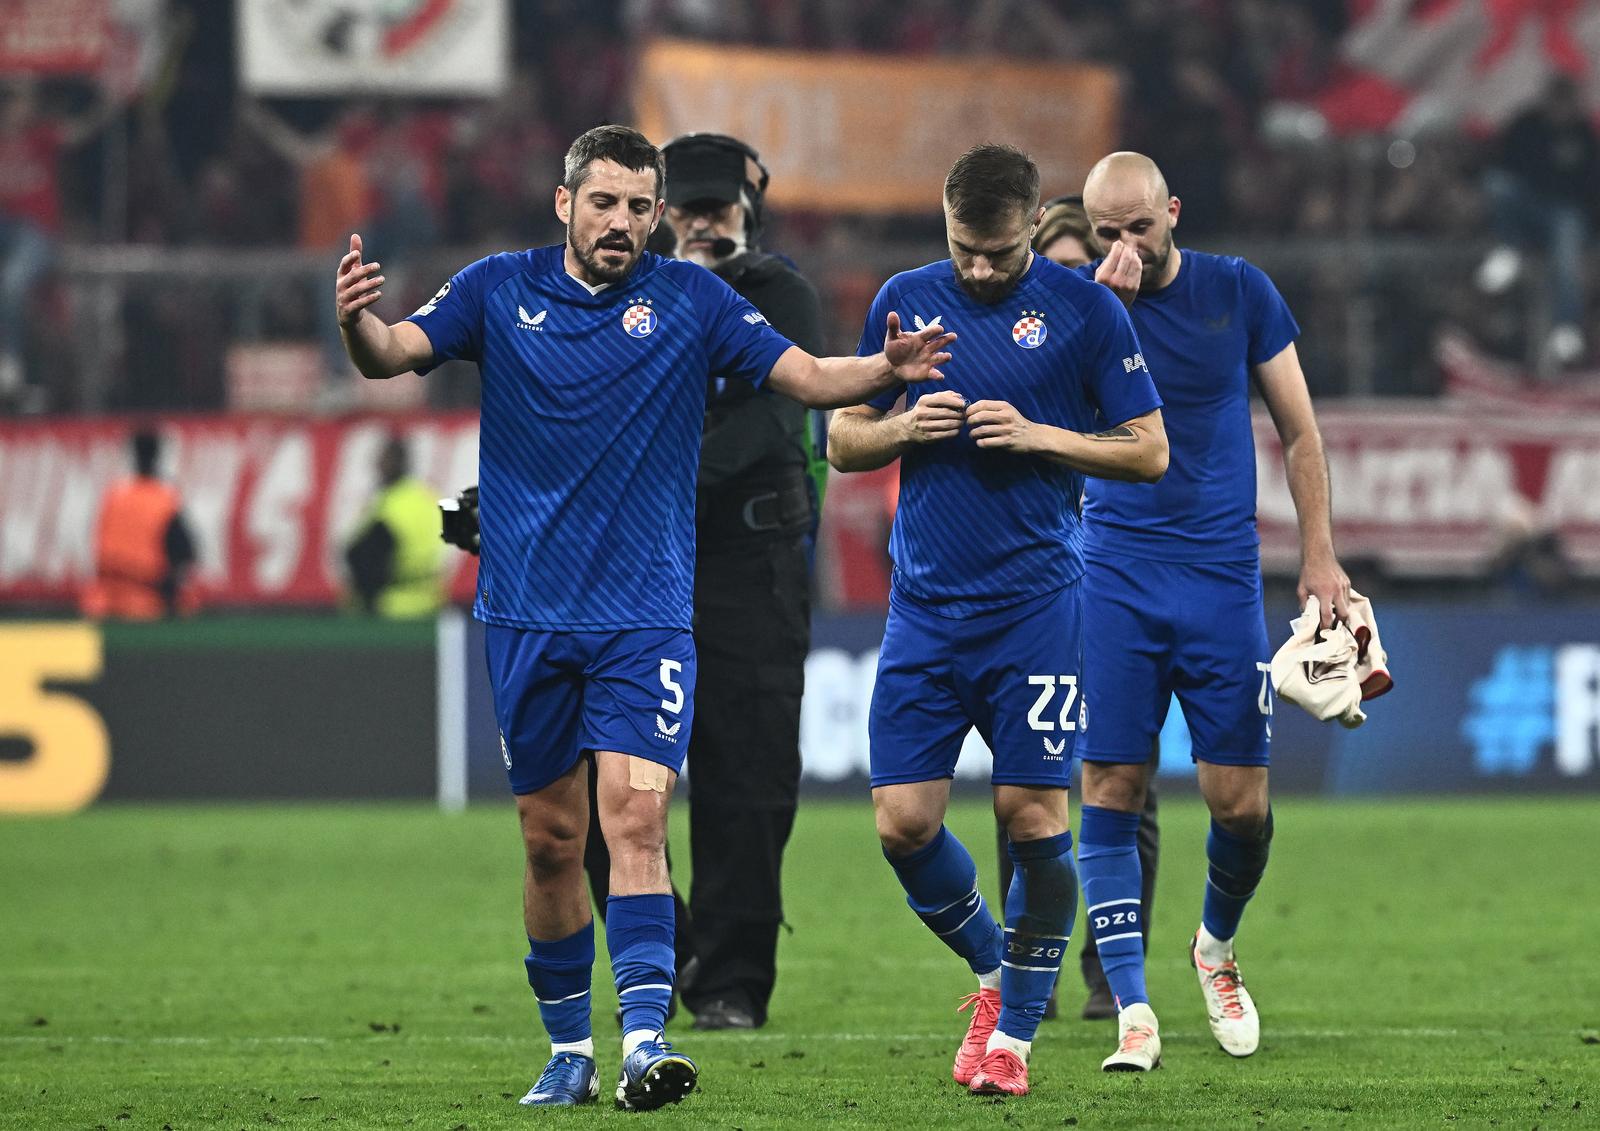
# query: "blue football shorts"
1152,630
1012,673
558,694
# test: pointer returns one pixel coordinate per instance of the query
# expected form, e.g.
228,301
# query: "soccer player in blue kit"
594,357
1046,385
1172,597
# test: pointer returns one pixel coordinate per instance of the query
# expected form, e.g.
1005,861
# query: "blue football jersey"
589,439
978,529
1201,334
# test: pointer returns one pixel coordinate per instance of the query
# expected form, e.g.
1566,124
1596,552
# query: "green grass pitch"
1418,964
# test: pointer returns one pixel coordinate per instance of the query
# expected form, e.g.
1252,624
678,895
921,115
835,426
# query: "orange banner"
868,133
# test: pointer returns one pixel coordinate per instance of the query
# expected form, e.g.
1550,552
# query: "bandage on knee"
644,774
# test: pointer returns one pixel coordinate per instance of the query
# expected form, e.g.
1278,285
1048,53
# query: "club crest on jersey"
1029,331
639,320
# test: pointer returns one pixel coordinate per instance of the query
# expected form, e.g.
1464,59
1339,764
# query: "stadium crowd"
1214,90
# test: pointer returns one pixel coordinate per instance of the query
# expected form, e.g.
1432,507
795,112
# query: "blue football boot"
654,1076
567,1080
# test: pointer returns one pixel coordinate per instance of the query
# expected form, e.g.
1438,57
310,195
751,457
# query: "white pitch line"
795,1038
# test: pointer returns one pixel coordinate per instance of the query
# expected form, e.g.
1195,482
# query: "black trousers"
1149,858
752,631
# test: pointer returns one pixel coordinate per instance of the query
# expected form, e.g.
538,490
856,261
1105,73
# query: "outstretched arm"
1134,451
378,349
833,382
1283,387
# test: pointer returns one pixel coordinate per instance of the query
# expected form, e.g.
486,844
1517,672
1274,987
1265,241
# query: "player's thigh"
631,794
638,698
908,814
1235,794
1020,676
555,821
1127,639
915,723
1031,812
537,681
1222,665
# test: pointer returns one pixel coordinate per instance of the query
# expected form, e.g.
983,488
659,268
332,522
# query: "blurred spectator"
335,190
1064,235
1543,183
396,557
32,145
142,546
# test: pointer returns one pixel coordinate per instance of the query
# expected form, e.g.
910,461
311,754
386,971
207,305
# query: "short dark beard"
598,270
1151,273
986,293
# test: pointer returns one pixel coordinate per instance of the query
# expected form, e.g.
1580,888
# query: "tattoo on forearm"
1120,433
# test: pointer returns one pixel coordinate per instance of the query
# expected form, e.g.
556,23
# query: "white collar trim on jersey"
594,290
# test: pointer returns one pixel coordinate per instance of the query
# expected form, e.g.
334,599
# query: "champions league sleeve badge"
1029,331
639,320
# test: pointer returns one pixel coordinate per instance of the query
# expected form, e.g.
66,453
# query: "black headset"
756,189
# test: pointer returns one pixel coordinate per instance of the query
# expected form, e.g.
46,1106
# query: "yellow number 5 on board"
71,749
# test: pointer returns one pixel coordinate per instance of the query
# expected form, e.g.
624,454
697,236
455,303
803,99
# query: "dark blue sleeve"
1086,270
1114,369
453,318
740,342
1272,327
877,325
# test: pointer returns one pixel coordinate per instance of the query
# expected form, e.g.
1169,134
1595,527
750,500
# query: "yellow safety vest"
411,513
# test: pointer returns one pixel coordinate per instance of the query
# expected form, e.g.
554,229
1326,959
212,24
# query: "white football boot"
1234,1020
1138,1041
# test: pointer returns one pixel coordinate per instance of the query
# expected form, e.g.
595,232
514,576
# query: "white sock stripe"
1063,938
652,986
1040,969
559,1000
1114,938
1228,894
961,924
1110,903
956,902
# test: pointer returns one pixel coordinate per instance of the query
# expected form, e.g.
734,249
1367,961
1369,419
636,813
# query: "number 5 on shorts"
674,702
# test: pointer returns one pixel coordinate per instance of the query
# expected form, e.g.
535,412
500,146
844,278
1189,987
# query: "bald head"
1127,201
1119,178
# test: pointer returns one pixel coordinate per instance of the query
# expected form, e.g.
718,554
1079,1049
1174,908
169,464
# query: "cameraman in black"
755,514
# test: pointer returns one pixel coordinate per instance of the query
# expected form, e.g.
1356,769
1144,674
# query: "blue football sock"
639,935
941,883
560,973
1237,864
1039,910
1108,861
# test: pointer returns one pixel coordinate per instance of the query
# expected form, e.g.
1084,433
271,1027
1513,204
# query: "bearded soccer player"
594,357
1172,596
983,630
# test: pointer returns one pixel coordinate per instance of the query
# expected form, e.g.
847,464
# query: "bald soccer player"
1172,596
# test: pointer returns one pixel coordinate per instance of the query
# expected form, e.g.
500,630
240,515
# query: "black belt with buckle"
766,508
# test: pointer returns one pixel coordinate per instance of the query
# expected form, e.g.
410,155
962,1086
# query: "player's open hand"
1120,271
356,286
916,356
996,424
1322,575
934,417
